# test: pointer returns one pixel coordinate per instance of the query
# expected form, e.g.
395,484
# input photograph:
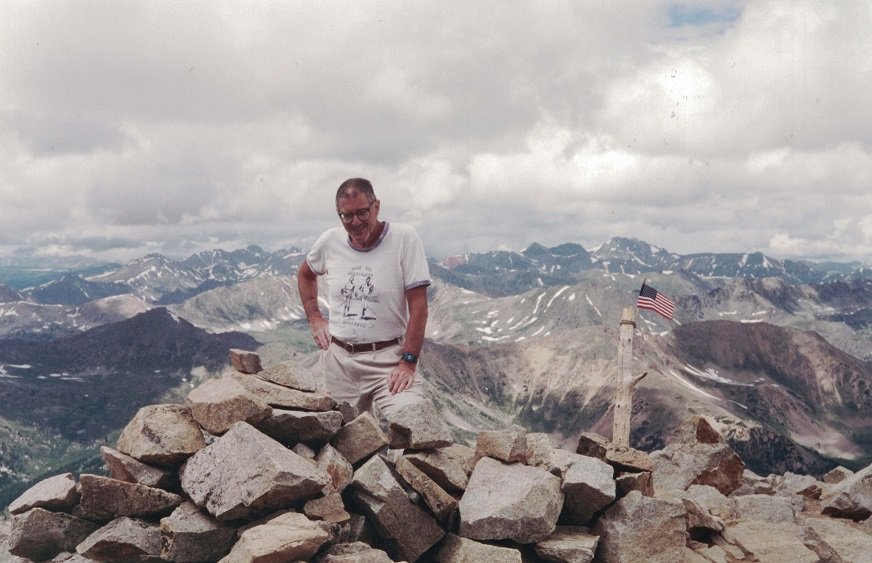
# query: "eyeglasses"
362,214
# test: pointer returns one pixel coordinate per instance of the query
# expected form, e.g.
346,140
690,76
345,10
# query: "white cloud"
726,126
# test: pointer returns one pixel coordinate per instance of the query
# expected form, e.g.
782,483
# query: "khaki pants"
361,379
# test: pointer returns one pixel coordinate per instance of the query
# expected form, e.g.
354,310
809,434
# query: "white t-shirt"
367,288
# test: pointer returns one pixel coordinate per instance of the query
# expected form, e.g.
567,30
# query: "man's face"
362,232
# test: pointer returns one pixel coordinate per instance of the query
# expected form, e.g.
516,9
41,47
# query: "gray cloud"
723,125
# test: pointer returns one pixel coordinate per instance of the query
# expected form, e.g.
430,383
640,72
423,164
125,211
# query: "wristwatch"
409,358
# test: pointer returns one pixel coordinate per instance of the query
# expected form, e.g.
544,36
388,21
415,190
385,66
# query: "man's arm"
307,283
403,375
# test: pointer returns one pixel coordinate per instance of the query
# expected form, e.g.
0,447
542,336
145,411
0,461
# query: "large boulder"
286,537
508,445
339,470
437,500
640,529
568,543
360,438
510,501
246,473
419,427
588,483
679,466
123,539
449,467
290,427
284,397
104,499
854,497
288,375
189,535
161,435
126,468
770,541
58,494
218,404
409,528
245,361
40,534
456,549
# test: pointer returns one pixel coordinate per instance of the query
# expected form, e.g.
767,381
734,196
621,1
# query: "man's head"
358,210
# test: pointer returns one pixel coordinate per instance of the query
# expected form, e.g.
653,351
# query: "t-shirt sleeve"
316,257
416,273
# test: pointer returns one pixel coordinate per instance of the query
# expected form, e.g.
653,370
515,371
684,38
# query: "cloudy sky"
164,126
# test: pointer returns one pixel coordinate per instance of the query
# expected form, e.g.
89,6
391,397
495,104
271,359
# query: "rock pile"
262,466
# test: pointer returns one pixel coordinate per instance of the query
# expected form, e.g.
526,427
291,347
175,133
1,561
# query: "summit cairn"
264,465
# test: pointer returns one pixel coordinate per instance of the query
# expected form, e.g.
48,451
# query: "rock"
39,534
766,508
539,446
121,540
695,430
328,508
641,482
58,494
305,451
505,445
698,520
803,485
356,552
449,467
680,465
126,468
359,438
592,444
246,472
419,427
287,537
188,535
286,375
162,435
568,543
290,427
510,501
410,529
850,544
218,404
456,549
639,529
854,497
437,500
589,486
104,499
837,475
773,542
284,397
622,459
245,361
713,500
339,470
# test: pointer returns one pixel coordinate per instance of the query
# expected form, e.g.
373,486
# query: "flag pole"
623,405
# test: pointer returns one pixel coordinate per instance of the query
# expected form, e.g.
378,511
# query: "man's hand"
401,378
319,332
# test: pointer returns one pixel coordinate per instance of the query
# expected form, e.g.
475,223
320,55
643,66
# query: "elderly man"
377,278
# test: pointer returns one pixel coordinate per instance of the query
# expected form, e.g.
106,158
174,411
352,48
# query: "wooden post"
626,381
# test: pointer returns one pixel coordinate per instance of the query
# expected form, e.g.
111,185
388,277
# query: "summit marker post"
626,383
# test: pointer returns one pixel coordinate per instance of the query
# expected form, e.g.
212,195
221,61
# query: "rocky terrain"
262,465
524,338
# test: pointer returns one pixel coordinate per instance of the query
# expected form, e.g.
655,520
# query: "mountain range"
778,354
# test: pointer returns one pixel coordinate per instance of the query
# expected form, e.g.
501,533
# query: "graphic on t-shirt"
358,295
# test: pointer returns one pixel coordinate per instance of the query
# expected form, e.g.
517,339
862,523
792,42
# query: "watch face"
410,357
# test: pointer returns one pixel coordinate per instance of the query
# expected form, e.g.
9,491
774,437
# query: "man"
377,278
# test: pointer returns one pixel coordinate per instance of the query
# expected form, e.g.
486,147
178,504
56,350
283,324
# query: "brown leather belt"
365,346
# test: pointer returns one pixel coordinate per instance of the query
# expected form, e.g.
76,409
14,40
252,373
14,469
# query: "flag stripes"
650,298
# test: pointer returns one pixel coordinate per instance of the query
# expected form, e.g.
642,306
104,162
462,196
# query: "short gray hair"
351,185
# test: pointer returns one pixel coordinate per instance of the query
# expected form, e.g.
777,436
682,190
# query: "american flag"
650,298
